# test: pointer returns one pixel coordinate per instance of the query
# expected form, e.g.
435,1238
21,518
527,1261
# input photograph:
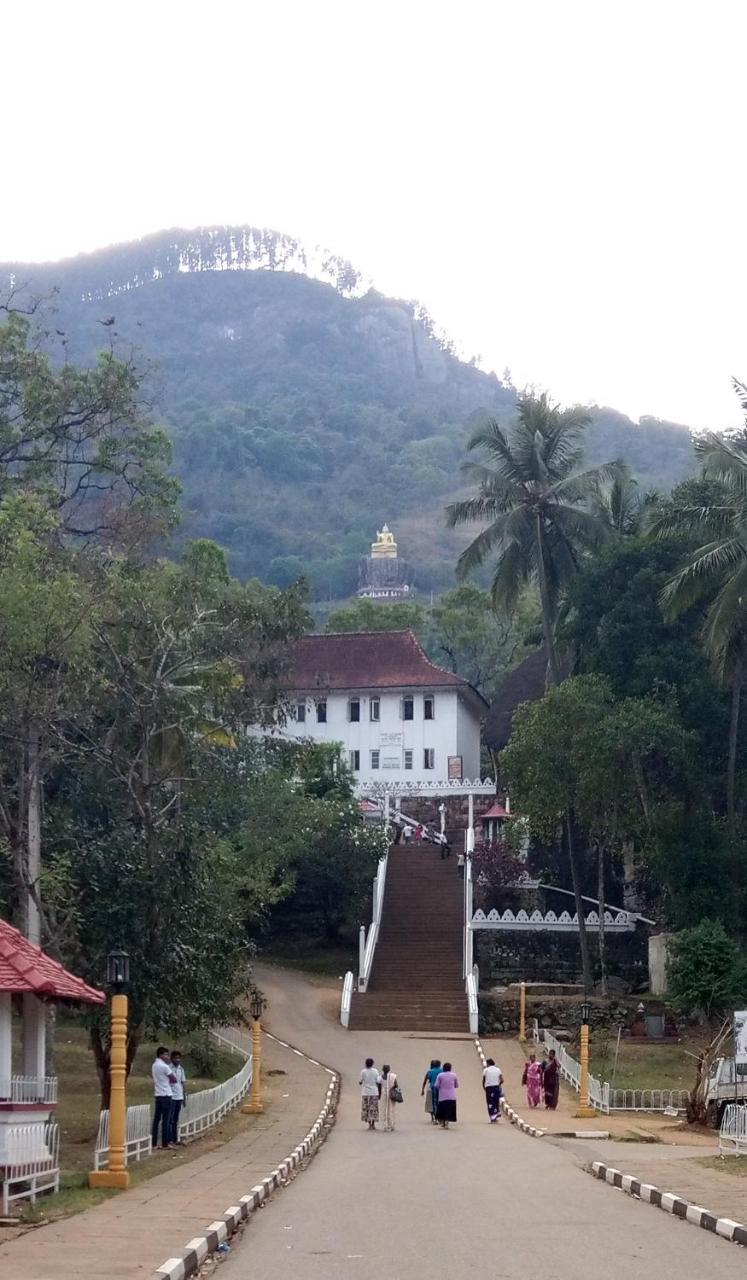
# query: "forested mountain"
305,408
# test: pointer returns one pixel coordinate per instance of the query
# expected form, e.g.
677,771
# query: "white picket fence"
648,1099
732,1138
601,1094
137,1140
29,1161
206,1108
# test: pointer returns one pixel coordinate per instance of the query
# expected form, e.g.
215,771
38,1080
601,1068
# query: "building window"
408,708
375,709
355,761
354,709
321,712
429,758
301,712
374,759
408,759
429,709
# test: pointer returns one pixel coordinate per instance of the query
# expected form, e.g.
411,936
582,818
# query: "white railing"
621,922
379,885
468,936
472,1006
137,1136
570,1070
346,998
206,1108
25,1089
732,1138
235,1040
648,1099
29,1160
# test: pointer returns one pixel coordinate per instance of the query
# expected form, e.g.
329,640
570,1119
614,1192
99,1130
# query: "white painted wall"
455,730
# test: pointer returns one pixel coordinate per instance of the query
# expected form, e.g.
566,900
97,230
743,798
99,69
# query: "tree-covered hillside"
304,412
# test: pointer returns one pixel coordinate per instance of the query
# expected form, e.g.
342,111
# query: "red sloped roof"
366,660
25,967
495,811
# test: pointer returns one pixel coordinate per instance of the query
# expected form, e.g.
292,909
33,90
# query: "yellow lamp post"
523,1012
585,1111
254,1106
116,1176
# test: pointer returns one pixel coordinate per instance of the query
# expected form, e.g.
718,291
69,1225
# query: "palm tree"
538,504
622,504
716,571
539,507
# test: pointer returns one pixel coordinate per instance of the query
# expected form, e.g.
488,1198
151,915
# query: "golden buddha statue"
384,546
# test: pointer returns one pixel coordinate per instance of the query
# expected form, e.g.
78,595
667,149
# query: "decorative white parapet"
446,787
621,922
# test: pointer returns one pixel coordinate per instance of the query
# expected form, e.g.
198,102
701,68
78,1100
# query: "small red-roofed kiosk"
31,979
493,819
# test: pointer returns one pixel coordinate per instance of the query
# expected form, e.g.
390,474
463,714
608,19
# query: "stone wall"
499,1012
505,956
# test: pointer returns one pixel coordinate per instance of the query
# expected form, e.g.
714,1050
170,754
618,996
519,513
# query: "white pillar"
470,823
34,1037
386,812
361,947
6,1044
442,814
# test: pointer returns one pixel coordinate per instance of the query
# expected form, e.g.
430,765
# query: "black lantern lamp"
256,1004
585,1013
118,969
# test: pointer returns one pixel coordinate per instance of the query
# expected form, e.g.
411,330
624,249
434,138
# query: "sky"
561,184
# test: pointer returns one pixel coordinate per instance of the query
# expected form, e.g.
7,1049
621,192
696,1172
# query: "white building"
397,715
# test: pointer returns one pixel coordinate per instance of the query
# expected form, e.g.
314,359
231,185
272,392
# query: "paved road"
424,1204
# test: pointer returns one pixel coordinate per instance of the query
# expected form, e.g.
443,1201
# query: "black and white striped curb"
667,1200
219,1232
512,1116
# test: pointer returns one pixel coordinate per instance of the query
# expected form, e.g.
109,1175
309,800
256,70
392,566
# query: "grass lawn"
734,1165
311,957
649,1066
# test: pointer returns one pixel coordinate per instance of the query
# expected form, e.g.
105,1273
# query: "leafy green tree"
463,633
715,572
372,615
81,439
537,503
706,971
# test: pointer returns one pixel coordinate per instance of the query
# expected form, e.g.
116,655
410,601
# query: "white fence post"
30,1159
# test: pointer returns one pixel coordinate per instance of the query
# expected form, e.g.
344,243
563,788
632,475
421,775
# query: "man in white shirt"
163,1079
492,1079
178,1096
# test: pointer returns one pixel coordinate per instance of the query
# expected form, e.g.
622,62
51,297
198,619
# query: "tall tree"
716,570
538,505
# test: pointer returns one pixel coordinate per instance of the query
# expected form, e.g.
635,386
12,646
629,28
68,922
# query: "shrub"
706,970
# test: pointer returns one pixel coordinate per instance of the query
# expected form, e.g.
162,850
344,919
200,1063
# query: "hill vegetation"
303,411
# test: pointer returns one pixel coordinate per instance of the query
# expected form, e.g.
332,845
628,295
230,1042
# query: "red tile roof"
495,811
25,967
366,660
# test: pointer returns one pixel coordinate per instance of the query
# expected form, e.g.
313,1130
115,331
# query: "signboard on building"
391,759
390,739
740,1035
455,768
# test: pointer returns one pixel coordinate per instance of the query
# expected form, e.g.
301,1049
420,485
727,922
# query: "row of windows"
406,710
429,759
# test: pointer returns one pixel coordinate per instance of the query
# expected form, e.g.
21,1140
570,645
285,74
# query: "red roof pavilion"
24,967
495,811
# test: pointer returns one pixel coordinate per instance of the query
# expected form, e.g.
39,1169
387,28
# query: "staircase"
416,983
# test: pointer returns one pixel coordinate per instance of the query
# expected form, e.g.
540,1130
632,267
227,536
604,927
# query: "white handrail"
468,937
372,938
346,998
472,1005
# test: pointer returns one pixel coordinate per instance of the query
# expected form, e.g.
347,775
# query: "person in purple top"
447,1085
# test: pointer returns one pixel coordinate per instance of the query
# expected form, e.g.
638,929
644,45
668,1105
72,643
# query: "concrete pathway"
424,1204
128,1236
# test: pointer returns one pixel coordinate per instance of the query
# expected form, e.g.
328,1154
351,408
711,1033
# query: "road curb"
512,1116
671,1203
219,1232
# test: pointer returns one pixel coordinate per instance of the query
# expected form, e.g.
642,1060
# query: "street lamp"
585,1111
118,976
256,1005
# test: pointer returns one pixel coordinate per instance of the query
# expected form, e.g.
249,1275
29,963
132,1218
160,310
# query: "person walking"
532,1078
429,1088
390,1095
447,1085
178,1097
551,1081
370,1083
492,1079
163,1078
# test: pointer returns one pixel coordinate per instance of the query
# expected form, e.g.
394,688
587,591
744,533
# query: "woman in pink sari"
532,1078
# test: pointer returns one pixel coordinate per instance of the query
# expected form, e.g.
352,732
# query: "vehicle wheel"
712,1115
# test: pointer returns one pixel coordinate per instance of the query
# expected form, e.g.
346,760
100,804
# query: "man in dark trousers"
178,1096
163,1079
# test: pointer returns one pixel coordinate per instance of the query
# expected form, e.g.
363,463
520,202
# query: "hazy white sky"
561,183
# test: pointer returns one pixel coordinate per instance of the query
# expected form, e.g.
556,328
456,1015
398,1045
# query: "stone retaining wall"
499,1012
